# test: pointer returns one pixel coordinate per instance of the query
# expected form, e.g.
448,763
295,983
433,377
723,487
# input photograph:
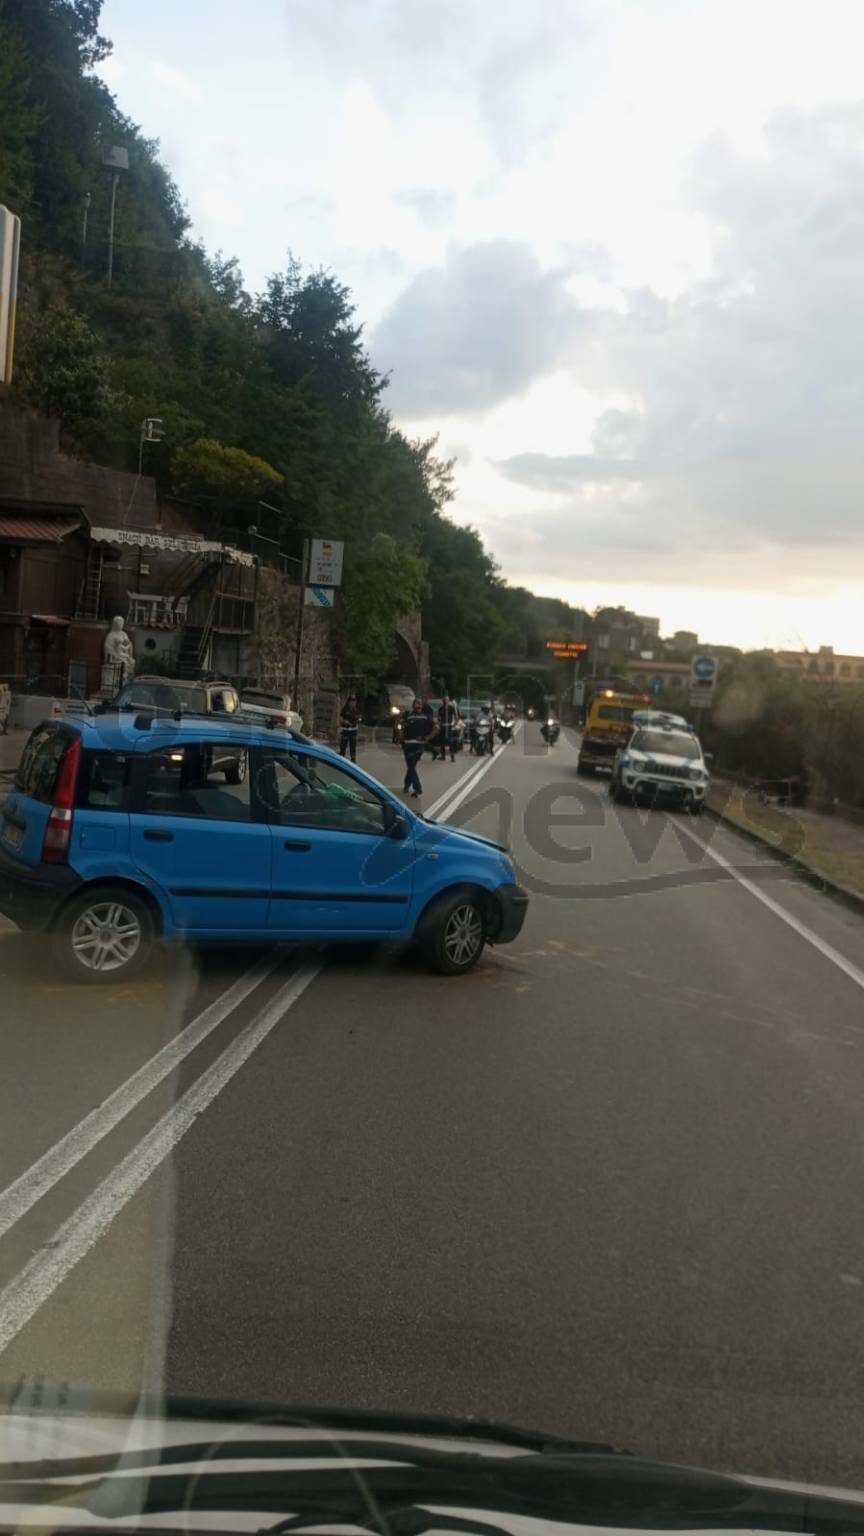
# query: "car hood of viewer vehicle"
74,1461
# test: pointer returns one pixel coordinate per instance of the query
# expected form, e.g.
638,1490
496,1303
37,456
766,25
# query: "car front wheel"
456,935
235,773
104,935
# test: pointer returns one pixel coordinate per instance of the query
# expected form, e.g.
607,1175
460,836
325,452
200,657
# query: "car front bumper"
33,897
512,904
669,789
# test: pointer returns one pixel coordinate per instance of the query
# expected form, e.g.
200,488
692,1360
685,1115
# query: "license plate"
13,836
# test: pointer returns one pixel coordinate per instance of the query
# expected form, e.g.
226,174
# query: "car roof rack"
148,715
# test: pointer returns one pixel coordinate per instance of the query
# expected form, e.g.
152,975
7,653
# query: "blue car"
123,830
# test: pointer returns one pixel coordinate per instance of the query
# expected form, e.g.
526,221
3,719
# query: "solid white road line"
50,1265
473,773
803,931
19,1197
455,803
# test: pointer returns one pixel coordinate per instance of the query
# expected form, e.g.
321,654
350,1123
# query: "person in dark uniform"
417,734
448,714
349,721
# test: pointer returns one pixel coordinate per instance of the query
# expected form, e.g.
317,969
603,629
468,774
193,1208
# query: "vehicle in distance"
117,834
607,728
173,695
660,717
661,763
394,700
270,706
167,695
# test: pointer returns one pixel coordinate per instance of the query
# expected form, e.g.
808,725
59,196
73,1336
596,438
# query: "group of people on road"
422,730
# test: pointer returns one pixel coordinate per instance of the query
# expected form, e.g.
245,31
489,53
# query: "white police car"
664,762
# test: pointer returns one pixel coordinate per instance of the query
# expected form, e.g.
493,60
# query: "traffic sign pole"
301,608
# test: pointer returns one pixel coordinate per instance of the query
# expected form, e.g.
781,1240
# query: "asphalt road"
607,1185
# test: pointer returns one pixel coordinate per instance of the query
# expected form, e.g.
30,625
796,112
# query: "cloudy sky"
611,250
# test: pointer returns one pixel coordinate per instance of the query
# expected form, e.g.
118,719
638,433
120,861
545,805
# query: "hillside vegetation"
269,396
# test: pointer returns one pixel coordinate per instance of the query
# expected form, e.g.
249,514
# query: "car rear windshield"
40,760
165,696
673,743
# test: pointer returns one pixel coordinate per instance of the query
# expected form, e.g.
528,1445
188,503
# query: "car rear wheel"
456,934
104,935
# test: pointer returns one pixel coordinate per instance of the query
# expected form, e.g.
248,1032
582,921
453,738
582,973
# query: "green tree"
383,582
61,368
229,479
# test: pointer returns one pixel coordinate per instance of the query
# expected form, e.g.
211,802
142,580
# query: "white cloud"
177,81
475,331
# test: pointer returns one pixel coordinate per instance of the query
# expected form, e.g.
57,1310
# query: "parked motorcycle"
550,730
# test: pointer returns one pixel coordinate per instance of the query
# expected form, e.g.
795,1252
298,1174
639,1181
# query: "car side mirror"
395,824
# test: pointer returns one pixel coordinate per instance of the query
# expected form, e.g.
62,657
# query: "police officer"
349,720
448,715
418,731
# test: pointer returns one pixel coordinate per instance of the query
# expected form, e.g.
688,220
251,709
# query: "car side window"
185,781
41,758
300,790
103,784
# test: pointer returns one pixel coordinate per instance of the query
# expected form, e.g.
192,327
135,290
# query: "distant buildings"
822,666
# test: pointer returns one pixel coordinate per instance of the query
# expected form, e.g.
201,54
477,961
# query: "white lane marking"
20,1196
803,931
451,789
477,772
49,1266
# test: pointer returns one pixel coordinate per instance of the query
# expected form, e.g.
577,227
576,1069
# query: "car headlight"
697,773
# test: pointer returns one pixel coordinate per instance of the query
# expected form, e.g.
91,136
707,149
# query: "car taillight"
58,832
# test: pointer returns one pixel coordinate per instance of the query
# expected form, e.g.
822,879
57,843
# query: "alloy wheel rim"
463,936
105,937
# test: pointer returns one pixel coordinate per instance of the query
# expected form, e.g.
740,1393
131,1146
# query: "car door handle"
158,837
298,847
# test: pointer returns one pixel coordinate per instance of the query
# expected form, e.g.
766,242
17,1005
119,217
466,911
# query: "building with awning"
43,553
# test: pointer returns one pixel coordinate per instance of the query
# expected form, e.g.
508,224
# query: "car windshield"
369,1060
615,712
672,743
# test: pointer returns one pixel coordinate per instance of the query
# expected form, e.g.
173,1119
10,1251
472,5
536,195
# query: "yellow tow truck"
607,727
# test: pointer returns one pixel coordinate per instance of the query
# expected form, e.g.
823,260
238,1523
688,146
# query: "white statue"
118,650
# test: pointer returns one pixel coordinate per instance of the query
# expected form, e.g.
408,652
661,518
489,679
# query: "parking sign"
703,676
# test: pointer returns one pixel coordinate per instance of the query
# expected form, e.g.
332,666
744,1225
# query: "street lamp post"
87,201
117,160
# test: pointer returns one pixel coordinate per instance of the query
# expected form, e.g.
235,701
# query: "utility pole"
304,571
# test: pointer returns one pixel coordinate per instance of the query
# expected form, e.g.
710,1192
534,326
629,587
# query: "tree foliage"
269,395
384,581
63,370
228,478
